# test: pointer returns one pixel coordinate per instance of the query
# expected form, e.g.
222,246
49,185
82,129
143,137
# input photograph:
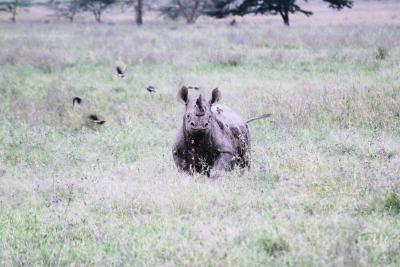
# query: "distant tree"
223,8
139,12
11,6
96,7
67,9
138,6
190,10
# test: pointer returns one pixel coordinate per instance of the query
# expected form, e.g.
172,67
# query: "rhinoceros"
212,138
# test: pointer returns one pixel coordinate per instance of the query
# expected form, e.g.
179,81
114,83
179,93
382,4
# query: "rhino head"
198,116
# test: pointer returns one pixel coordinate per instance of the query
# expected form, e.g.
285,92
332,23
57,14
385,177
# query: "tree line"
188,10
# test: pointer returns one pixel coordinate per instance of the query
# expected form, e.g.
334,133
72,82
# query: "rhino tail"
259,117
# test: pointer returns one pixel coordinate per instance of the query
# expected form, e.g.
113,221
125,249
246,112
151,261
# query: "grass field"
324,184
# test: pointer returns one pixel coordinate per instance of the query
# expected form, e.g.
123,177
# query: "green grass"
324,185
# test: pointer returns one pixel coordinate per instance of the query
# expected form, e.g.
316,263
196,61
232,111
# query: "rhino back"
236,129
226,115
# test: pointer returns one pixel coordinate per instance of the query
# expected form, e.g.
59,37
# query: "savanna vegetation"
189,10
323,189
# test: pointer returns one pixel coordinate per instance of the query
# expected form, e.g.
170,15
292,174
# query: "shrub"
391,203
381,53
273,246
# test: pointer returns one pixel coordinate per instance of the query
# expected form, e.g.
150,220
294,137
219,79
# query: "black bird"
76,100
233,22
121,71
151,89
121,68
90,119
96,119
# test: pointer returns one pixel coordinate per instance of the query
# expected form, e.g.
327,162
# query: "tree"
223,8
96,7
68,9
190,10
139,12
11,6
138,6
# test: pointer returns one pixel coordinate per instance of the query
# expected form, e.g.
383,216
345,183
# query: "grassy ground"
324,184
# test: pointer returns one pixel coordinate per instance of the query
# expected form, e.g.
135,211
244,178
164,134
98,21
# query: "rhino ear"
215,96
183,94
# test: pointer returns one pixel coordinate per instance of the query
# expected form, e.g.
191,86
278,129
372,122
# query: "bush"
392,203
273,246
381,53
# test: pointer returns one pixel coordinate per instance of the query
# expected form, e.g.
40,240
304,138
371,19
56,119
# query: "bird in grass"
121,69
95,119
151,89
76,100
233,22
91,120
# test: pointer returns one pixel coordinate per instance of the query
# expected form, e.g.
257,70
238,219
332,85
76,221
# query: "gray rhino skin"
212,138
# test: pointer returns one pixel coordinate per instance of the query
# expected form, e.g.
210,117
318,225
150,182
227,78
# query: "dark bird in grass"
76,100
96,119
233,22
151,89
121,69
89,118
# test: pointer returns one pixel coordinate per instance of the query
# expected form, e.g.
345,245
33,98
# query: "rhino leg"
181,162
221,165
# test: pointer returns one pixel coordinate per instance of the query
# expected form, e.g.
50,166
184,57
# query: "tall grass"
323,188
